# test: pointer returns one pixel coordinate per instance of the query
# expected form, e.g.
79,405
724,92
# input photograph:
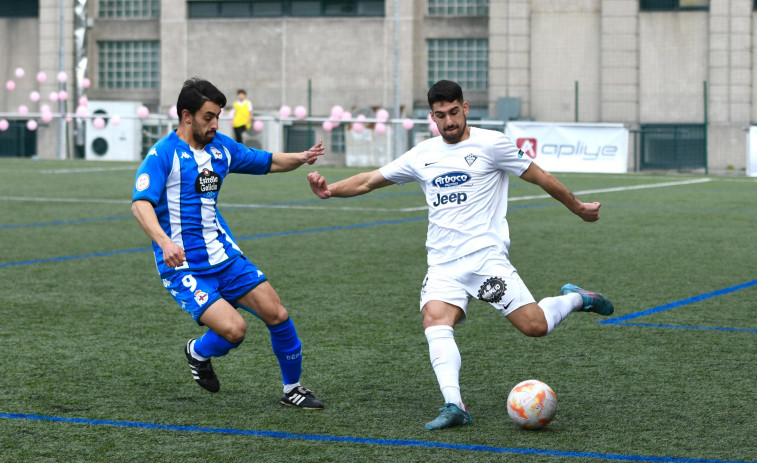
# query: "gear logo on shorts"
492,290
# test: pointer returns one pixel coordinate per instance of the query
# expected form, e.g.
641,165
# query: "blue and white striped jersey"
183,185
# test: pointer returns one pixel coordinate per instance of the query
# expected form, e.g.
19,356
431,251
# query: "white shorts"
486,275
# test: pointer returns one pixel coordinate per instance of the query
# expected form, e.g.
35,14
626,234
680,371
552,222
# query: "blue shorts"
195,291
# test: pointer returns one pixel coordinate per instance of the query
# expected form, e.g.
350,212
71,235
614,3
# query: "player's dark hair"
241,90
444,91
195,93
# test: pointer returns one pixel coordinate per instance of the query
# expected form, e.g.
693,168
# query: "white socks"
557,308
445,359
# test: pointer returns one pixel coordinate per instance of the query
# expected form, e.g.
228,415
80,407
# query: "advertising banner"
751,152
565,147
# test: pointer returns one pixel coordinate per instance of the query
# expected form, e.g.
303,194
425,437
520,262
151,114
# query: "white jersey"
466,190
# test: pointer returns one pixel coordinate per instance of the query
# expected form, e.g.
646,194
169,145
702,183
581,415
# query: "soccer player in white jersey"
464,175
201,265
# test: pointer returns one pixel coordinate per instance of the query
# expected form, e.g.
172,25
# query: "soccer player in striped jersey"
175,202
464,174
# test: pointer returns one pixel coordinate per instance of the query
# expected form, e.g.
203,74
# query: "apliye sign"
564,147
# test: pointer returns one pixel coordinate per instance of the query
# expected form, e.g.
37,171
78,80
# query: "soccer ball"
531,404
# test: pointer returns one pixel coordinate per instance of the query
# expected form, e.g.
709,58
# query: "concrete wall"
631,67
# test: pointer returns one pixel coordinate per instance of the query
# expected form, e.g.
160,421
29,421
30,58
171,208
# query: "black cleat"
301,397
202,372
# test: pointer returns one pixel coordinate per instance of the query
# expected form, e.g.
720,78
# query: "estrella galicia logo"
208,183
492,290
451,179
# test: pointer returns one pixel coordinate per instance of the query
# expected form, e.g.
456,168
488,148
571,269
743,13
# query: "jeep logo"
450,179
457,198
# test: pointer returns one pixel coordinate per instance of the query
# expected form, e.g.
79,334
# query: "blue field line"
65,222
361,440
252,237
643,313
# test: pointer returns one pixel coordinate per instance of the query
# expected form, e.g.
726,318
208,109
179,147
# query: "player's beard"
457,135
202,137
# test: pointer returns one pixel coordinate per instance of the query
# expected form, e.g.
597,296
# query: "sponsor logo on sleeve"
143,182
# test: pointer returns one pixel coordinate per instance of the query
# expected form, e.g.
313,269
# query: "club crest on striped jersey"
216,154
208,183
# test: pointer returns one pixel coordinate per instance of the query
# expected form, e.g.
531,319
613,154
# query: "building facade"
684,69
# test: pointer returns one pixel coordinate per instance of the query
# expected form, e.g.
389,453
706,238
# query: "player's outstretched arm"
359,184
284,162
589,212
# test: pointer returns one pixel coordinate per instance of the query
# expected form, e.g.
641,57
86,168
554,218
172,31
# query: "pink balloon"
10,85
3,125
85,82
98,123
62,77
31,124
380,128
285,111
361,117
41,77
346,116
336,112
300,112
258,125
53,96
407,123
63,95
20,72
143,112
358,127
69,118
81,111
46,116
115,120
328,126
382,115
83,101
34,96
23,109
434,129
173,112
45,108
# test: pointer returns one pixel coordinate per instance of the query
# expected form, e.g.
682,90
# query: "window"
466,61
17,140
128,65
673,5
19,9
129,9
458,7
673,146
297,8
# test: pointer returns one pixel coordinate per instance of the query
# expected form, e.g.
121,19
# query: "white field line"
369,209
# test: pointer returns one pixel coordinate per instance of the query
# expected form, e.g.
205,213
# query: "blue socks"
212,345
284,341
288,349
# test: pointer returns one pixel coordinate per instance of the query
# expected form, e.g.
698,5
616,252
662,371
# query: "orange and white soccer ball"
532,404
